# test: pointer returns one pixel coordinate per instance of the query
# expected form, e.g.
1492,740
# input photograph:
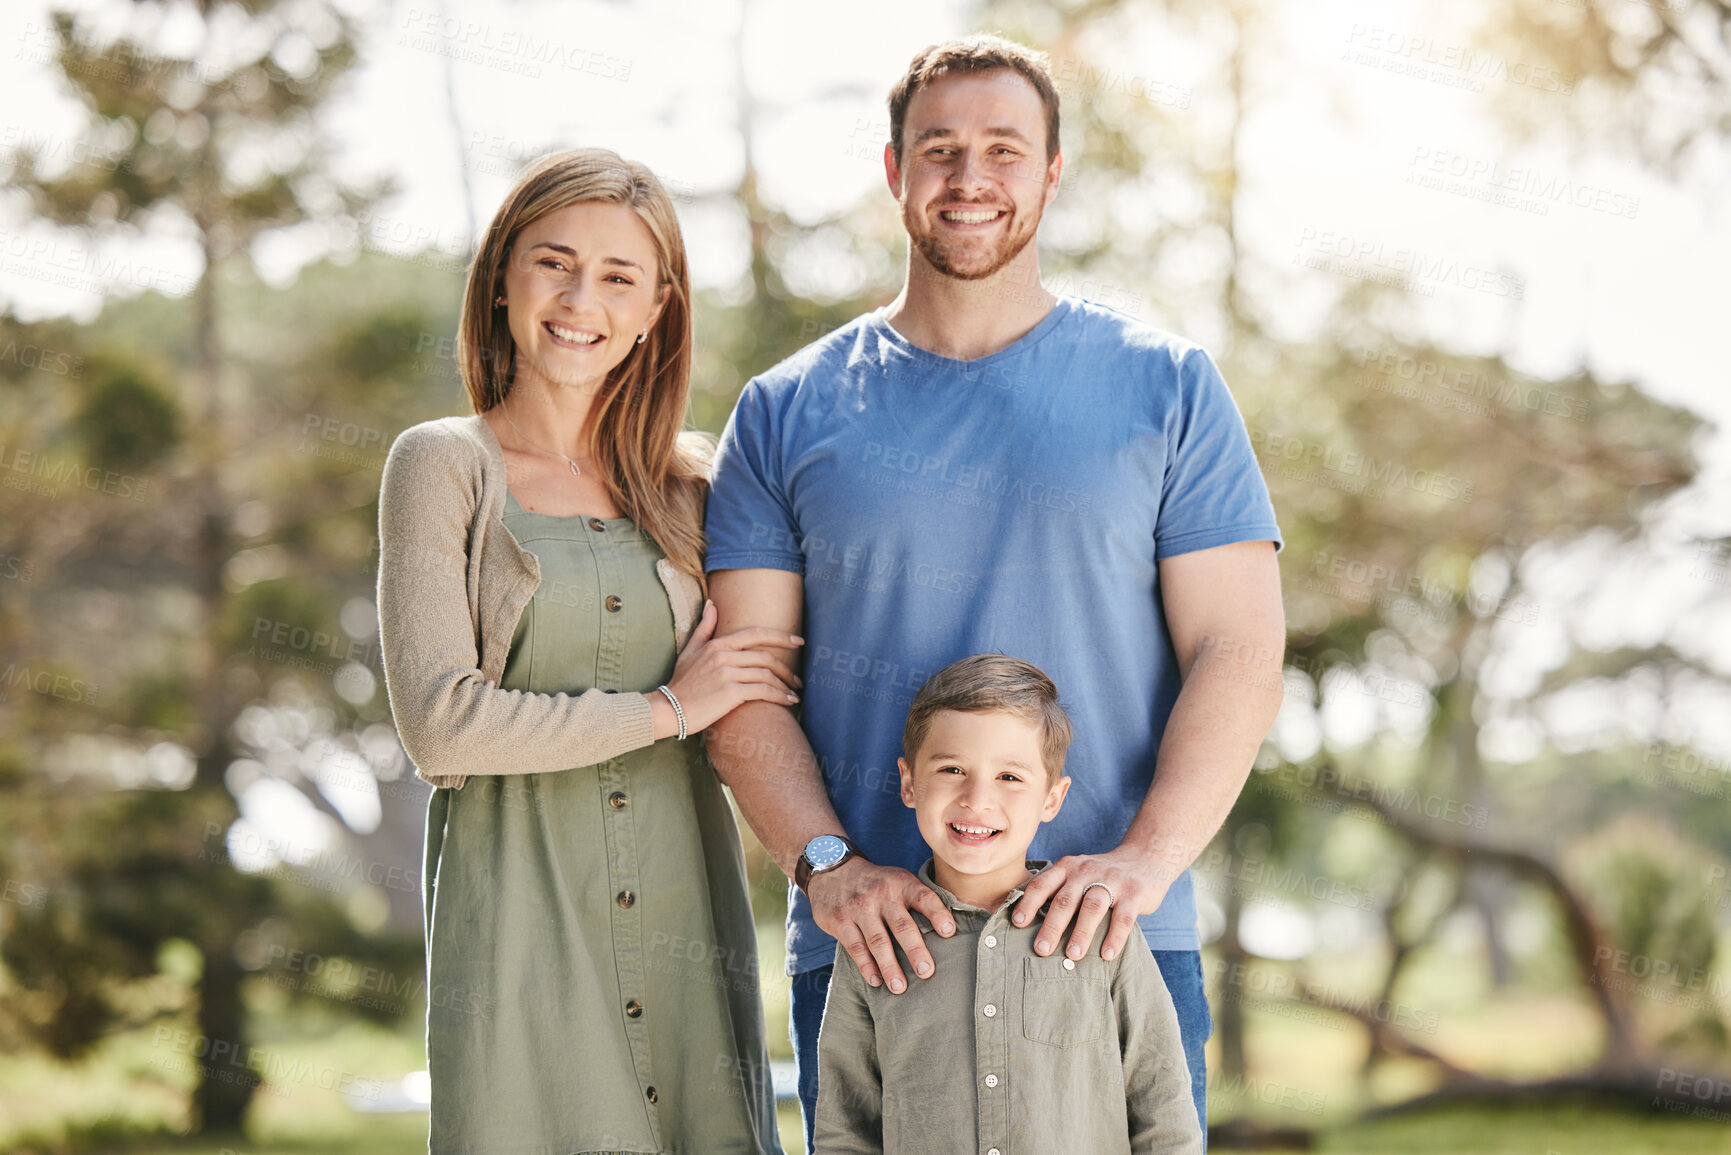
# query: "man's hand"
1137,886
863,905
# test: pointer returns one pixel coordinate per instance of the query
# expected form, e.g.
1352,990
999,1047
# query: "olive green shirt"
1002,1052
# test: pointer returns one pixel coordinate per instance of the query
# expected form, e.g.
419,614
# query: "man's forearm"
1230,697
764,757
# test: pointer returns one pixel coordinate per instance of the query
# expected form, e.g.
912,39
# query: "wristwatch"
825,852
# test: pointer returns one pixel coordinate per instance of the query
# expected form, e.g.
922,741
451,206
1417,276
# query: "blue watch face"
825,851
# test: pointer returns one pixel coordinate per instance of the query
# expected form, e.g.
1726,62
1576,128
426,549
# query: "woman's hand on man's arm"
715,674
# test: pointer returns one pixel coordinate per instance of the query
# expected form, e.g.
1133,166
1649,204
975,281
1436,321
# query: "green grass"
131,1096
1563,1130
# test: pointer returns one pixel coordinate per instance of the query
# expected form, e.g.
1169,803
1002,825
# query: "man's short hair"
971,54
989,682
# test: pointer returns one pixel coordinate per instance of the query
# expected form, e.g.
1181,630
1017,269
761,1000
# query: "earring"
641,337
499,301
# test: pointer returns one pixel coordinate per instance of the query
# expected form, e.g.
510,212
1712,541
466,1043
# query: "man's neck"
967,320
986,891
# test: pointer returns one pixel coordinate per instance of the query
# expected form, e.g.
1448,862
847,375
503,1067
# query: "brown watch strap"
803,870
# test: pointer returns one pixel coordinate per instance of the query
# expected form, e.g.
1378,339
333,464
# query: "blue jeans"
1182,970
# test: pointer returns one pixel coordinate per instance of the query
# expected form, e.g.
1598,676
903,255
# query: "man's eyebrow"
572,253
1005,130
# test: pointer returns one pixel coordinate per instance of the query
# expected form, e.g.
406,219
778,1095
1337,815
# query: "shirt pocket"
1062,1007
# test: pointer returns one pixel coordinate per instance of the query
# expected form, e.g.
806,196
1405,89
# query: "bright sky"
1631,281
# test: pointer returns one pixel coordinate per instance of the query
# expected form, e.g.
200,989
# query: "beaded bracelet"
677,711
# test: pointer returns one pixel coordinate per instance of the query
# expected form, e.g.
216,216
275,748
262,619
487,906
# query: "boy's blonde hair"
987,682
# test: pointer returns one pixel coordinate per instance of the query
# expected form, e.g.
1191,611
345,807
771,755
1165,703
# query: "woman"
591,959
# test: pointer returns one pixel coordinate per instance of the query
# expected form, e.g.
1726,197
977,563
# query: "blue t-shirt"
1017,503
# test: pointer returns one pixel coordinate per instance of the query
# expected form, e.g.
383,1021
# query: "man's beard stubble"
936,255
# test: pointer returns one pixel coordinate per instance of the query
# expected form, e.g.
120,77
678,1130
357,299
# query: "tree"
215,143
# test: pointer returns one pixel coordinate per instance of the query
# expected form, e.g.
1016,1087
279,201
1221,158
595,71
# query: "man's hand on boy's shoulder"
1077,886
866,908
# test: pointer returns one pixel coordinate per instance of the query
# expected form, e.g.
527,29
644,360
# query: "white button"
993,1151
1069,964
989,1010
991,940
991,1080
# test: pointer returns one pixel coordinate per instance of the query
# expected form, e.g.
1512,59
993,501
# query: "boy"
1001,1051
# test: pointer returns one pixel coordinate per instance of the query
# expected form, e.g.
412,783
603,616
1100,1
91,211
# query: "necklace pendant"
574,470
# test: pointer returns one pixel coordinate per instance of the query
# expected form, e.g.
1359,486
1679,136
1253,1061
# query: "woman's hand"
713,675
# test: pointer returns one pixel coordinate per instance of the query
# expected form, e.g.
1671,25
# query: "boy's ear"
1055,799
907,782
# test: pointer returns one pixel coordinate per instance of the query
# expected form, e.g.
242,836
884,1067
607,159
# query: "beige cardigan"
452,585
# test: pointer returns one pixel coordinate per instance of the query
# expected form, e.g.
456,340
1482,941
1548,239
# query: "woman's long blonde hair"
656,472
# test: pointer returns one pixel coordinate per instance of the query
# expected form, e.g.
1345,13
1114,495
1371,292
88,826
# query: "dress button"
614,603
988,1010
991,1080
652,1096
992,1151
1069,964
634,1009
627,899
991,940
596,523
617,800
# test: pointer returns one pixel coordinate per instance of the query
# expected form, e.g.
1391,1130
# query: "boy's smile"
980,790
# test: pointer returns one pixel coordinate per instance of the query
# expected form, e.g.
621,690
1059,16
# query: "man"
981,466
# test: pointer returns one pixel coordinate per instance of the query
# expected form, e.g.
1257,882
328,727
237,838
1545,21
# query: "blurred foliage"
127,420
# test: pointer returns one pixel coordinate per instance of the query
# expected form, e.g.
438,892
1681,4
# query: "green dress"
591,960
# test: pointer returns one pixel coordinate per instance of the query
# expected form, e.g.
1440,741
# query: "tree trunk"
226,1080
